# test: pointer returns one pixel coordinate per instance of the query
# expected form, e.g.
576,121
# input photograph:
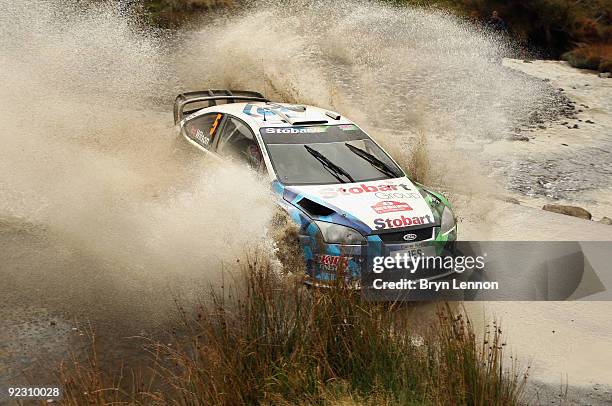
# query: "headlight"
448,220
337,234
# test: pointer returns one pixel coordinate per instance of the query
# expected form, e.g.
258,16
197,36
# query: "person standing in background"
496,23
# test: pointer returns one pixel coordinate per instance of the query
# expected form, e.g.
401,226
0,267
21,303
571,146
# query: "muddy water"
104,217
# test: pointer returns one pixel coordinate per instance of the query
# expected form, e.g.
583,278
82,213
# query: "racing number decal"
214,127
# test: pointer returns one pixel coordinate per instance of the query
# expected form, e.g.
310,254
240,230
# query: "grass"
596,57
270,340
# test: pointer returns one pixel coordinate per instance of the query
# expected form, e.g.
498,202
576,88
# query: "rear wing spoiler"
211,96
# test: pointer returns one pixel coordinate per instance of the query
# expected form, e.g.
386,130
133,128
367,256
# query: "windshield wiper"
329,165
375,162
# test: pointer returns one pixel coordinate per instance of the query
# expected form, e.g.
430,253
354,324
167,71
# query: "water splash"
91,158
88,146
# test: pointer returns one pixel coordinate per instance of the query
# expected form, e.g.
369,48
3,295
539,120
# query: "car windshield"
318,155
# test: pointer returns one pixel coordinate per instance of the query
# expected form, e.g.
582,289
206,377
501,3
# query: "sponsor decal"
410,237
294,130
260,111
390,206
332,262
403,221
204,140
397,195
198,135
384,189
215,125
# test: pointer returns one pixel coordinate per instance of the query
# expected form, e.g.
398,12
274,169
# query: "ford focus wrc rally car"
350,199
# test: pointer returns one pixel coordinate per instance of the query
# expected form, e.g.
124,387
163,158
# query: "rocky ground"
565,158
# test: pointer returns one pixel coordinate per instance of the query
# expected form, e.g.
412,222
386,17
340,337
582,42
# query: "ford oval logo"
410,237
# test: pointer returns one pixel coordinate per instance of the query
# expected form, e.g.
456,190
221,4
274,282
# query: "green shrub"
606,66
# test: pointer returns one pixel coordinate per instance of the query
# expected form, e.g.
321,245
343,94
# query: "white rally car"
350,199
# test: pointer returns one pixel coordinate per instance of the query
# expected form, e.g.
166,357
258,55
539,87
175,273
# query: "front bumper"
329,263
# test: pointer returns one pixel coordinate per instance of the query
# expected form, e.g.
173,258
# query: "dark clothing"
497,24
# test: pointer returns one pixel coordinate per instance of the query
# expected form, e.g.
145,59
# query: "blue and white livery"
350,199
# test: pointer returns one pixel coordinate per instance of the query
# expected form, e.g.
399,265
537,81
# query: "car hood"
379,205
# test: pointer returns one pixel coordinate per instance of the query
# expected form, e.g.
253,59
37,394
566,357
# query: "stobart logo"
330,193
294,130
403,221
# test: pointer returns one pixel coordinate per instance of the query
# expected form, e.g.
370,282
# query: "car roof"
277,114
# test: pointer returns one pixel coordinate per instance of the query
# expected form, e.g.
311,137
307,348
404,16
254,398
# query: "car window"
326,154
236,140
203,129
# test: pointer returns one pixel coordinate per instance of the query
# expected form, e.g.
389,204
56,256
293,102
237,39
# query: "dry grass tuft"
596,57
270,341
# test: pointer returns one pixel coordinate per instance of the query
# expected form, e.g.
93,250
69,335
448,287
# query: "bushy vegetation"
578,30
269,340
551,28
173,13
596,57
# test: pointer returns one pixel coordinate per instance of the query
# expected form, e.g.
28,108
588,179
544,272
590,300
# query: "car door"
237,141
203,129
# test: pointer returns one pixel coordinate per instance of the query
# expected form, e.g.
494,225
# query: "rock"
564,144
521,138
575,126
568,210
604,75
606,220
590,122
564,123
544,184
542,127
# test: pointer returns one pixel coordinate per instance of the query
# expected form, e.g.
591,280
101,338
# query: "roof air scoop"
332,115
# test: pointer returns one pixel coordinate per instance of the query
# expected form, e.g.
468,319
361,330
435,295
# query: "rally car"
351,200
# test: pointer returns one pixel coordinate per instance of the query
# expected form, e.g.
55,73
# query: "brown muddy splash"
89,153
